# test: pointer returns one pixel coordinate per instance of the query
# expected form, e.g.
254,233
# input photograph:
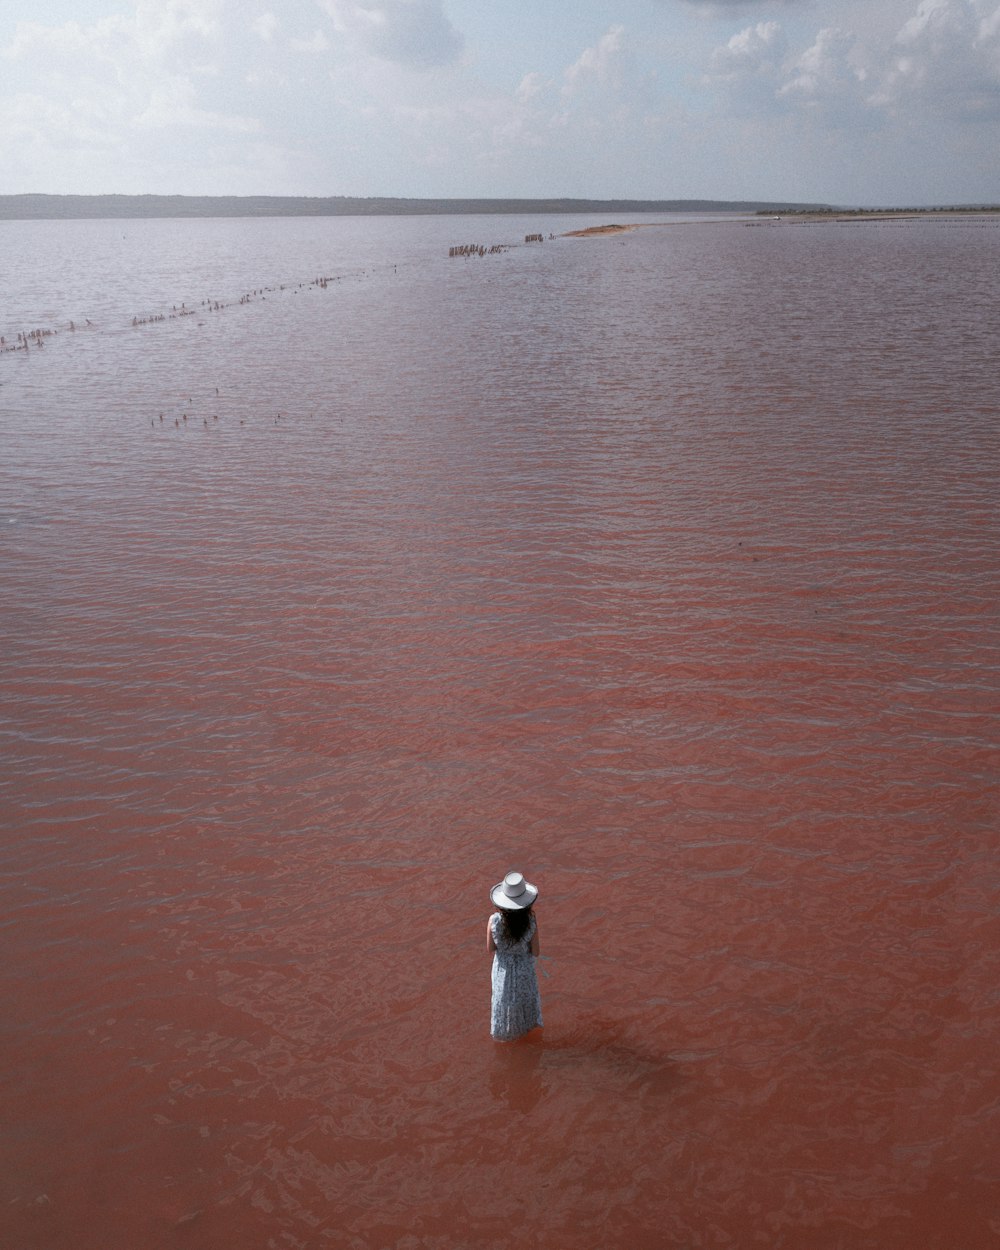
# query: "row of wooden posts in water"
36,338
478,249
31,338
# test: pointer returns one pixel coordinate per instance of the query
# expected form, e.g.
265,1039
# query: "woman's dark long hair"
514,923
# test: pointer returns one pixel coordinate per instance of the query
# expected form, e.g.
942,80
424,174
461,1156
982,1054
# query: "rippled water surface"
662,567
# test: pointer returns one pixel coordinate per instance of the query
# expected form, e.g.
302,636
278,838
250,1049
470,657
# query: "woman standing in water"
512,940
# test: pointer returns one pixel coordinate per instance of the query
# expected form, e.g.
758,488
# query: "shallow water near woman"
660,567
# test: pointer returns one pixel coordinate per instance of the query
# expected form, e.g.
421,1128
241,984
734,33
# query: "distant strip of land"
795,216
32,207
878,214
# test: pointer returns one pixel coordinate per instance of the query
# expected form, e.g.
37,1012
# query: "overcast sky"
843,101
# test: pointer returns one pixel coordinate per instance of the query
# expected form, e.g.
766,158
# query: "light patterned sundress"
517,1004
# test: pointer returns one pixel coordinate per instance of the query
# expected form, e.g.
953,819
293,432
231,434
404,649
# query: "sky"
870,102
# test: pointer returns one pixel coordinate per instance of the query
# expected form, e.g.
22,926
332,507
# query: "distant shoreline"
32,207
800,217
874,214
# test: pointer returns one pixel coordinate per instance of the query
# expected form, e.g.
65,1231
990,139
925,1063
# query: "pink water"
663,568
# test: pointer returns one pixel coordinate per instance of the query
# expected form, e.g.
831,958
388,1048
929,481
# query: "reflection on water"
516,1077
539,1066
662,567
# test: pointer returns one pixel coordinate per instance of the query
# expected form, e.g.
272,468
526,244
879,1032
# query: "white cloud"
127,83
161,32
824,73
946,59
719,8
72,44
174,27
530,86
756,50
604,64
70,127
747,69
317,44
413,33
172,105
265,26
989,28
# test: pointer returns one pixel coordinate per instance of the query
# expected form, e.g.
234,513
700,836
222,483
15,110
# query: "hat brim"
523,901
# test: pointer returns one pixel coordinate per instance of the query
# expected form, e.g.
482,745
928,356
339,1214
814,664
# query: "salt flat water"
339,577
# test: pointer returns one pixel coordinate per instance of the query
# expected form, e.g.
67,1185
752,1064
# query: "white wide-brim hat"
513,893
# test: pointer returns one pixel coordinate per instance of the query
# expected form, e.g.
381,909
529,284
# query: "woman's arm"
534,940
490,944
